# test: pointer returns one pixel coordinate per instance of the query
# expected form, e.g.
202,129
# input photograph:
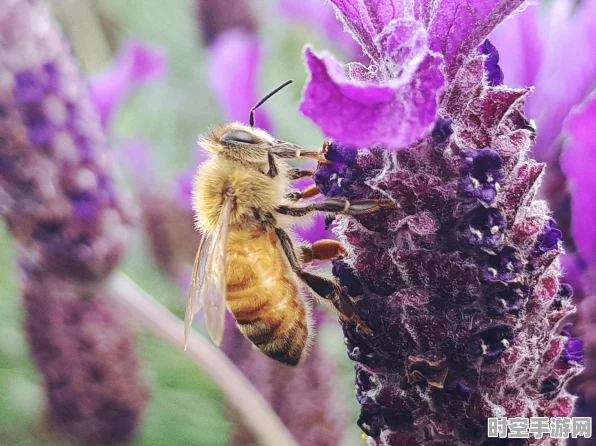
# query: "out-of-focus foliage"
185,407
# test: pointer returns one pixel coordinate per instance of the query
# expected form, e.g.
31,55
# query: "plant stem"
242,396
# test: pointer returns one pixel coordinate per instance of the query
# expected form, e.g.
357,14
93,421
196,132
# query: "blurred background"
160,73
153,121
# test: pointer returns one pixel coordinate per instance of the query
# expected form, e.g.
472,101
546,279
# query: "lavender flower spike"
60,202
460,284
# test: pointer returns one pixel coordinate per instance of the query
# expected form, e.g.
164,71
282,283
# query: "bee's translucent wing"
208,284
216,283
197,283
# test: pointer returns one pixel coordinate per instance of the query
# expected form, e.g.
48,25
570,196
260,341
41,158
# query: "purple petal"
578,164
456,27
234,64
136,64
362,114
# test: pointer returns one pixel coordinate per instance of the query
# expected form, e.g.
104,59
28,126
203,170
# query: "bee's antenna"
262,101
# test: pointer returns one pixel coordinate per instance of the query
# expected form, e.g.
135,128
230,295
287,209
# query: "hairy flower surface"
66,213
460,285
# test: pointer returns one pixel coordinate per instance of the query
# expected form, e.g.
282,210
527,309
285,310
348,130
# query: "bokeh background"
154,133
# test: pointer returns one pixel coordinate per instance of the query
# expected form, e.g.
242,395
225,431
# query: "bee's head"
239,142
243,143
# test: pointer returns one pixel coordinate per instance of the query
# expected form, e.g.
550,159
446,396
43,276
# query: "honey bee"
247,259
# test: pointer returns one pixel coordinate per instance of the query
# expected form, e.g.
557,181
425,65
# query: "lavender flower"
580,149
320,15
305,397
234,62
60,202
218,16
581,266
136,64
460,285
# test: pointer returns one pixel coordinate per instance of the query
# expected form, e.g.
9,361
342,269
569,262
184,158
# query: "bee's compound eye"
239,136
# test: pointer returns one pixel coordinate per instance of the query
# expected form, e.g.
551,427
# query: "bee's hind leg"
324,249
322,286
309,192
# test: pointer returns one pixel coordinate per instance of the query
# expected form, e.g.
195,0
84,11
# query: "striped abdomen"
264,297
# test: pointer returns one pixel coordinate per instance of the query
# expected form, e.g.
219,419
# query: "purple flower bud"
574,347
481,175
484,227
507,300
549,239
494,72
442,130
336,180
458,391
70,221
503,266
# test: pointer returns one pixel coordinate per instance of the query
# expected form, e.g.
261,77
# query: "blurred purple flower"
71,222
167,221
215,17
460,285
235,60
413,50
87,356
136,64
322,15
578,161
